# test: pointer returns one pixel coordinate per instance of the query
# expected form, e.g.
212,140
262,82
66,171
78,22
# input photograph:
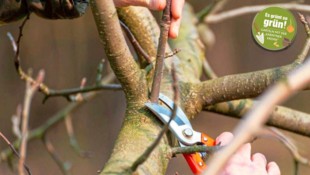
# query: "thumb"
224,138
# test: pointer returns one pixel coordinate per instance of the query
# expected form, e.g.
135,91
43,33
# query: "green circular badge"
274,28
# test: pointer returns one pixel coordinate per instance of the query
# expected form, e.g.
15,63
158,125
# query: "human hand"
176,10
242,163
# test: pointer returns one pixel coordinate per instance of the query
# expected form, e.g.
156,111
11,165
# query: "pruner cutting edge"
183,131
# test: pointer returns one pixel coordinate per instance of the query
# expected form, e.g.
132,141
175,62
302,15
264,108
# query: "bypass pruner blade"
183,131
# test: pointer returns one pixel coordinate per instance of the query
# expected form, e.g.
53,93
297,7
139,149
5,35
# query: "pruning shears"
183,131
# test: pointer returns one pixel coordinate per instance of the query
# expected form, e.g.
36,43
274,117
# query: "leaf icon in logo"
260,37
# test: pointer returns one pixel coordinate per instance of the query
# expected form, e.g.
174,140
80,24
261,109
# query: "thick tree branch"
281,117
120,58
150,149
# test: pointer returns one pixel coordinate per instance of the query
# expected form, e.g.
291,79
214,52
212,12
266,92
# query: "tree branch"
135,43
14,151
143,26
30,91
288,143
64,166
281,117
214,7
72,139
120,58
163,38
67,93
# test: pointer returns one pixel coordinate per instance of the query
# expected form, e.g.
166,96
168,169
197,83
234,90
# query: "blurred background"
69,50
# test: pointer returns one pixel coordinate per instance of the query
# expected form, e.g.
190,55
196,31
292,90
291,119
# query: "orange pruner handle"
195,161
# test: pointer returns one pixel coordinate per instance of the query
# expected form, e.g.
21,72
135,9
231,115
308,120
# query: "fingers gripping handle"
195,161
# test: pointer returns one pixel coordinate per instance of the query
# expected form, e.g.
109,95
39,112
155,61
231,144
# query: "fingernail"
176,32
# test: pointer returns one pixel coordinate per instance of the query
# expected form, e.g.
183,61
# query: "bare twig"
305,22
259,115
289,144
99,72
39,132
174,52
150,149
73,141
68,92
16,120
215,18
30,90
14,151
164,29
64,166
135,43
214,7
208,70
16,49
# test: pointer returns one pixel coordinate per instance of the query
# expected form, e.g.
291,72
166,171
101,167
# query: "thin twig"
30,90
16,120
260,113
164,29
64,166
73,141
40,131
215,6
215,18
135,43
305,22
99,72
66,93
210,74
16,49
302,56
289,144
150,149
174,52
15,152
